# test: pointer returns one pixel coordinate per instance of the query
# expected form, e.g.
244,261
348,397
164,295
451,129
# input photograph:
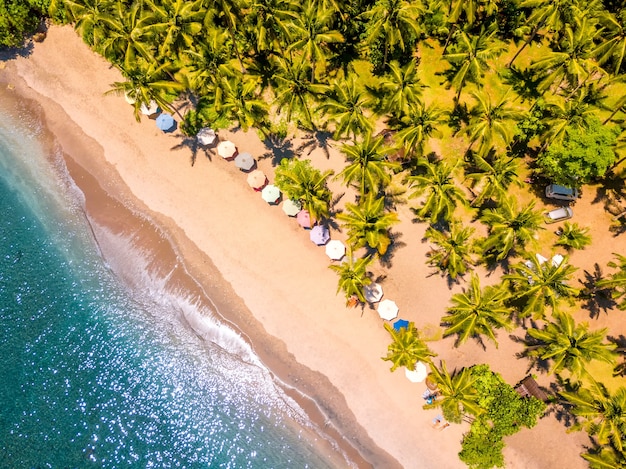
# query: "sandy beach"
217,239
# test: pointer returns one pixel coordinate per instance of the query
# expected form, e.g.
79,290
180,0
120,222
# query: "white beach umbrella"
257,179
270,194
291,207
244,161
373,292
149,109
388,309
418,375
226,149
557,260
206,136
335,249
129,99
540,258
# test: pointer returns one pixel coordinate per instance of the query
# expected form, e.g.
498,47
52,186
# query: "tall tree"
313,35
458,395
569,346
493,176
299,180
177,23
600,412
394,22
353,276
476,312
90,18
611,50
442,194
346,105
368,223
540,285
407,347
417,126
509,227
400,89
271,22
368,166
240,102
453,252
470,56
488,120
616,280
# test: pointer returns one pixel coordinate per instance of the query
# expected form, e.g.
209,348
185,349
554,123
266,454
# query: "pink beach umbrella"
257,180
226,149
304,219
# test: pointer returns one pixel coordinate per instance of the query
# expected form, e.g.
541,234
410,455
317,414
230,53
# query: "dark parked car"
554,191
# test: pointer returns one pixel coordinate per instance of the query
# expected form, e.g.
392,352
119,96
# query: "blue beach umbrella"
401,324
165,122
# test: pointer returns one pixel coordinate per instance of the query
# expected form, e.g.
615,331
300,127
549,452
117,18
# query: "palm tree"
147,82
458,396
126,38
294,90
453,252
494,175
573,236
177,23
299,180
90,19
368,224
617,280
230,12
271,22
600,412
541,284
407,347
368,166
569,345
345,104
417,126
611,49
487,121
470,55
562,114
400,89
442,194
509,227
240,102
605,457
394,22
353,276
476,312
571,61
208,63
313,34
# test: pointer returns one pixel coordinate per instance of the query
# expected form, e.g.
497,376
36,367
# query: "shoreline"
116,209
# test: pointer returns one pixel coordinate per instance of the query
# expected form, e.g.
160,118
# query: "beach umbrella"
270,194
557,260
165,122
304,219
244,161
206,136
291,207
319,235
226,149
387,309
149,109
335,249
401,324
129,99
418,374
256,179
373,292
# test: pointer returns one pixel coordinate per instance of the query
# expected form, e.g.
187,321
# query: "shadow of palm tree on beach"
594,299
193,145
317,139
385,260
10,53
278,148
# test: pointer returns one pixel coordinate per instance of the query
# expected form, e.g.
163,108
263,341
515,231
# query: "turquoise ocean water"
95,375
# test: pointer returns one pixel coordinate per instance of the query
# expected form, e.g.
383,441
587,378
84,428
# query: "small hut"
529,387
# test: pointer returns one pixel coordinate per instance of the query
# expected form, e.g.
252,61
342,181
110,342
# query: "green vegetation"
474,96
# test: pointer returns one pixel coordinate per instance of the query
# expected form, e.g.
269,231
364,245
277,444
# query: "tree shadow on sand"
318,139
594,299
10,53
193,145
278,149
620,342
385,260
